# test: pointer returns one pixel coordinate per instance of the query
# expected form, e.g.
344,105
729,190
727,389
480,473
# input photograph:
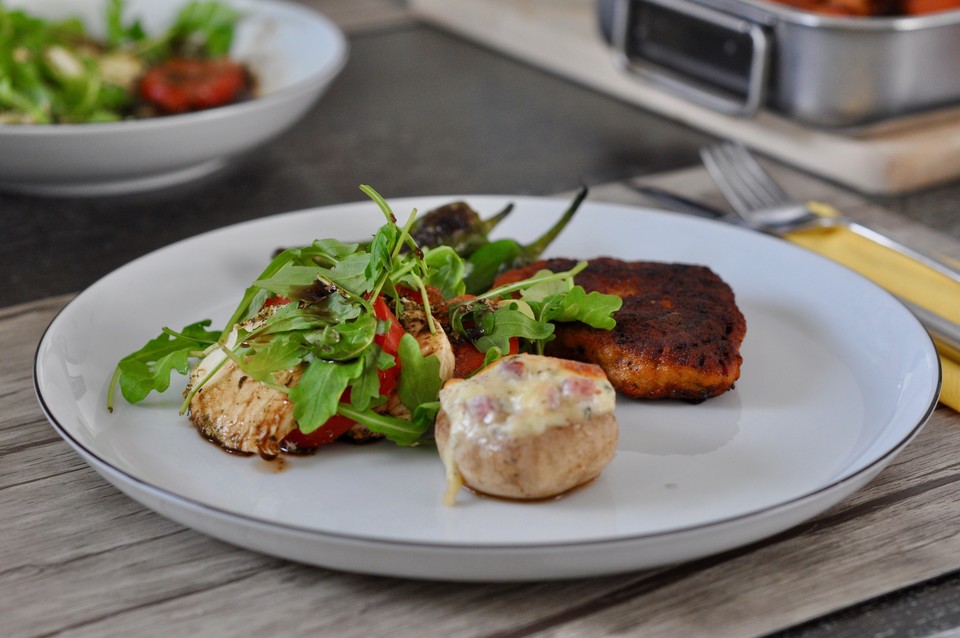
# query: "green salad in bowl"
55,71
115,96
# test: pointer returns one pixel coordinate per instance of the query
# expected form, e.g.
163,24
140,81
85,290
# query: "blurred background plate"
294,53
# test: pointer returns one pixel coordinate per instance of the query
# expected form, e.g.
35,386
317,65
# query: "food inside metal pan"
872,8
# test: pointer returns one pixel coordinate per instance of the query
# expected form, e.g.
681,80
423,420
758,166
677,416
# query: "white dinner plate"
295,53
837,378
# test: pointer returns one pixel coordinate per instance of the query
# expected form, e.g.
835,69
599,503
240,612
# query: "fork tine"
750,189
771,191
723,174
743,182
741,178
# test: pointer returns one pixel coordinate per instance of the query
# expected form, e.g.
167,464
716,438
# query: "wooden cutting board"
562,36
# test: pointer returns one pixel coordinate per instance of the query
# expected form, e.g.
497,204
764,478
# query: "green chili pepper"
455,225
495,257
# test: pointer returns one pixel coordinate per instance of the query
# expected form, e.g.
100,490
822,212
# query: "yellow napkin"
898,274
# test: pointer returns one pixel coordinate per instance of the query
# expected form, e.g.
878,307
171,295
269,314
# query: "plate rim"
179,500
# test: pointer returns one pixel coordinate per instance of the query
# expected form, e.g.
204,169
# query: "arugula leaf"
203,29
545,298
544,287
339,335
278,354
317,396
381,251
542,277
399,431
333,248
446,270
254,296
36,110
289,280
380,202
117,32
149,367
505,323
352,338
292,317
365,389
425,415
350,273
420,382
594,309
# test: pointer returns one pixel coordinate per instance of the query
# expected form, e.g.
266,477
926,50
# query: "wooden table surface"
418,111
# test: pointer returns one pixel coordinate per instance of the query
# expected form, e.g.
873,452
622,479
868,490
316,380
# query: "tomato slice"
180,85
468,359
338,425
389,342
276,300
335,427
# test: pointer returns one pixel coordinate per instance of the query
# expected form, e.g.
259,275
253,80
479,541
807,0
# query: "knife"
945,333
681,204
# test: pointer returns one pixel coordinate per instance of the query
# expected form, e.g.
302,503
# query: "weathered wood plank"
21,422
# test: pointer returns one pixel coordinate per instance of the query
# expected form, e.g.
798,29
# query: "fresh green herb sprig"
544,299
201,29
119,31
149,368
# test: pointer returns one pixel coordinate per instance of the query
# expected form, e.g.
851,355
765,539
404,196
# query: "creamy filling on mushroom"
519,396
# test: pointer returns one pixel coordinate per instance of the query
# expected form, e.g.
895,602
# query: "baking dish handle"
621,25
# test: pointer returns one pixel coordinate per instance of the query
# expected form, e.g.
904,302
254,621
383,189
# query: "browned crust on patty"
678,333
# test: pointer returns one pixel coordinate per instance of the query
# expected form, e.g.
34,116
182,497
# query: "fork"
763,205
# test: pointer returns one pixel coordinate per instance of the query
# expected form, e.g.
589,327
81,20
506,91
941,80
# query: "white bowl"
294,52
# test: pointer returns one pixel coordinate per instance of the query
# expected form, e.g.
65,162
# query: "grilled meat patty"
678,332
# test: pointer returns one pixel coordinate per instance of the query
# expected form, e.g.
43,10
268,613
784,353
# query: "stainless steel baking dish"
737,56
